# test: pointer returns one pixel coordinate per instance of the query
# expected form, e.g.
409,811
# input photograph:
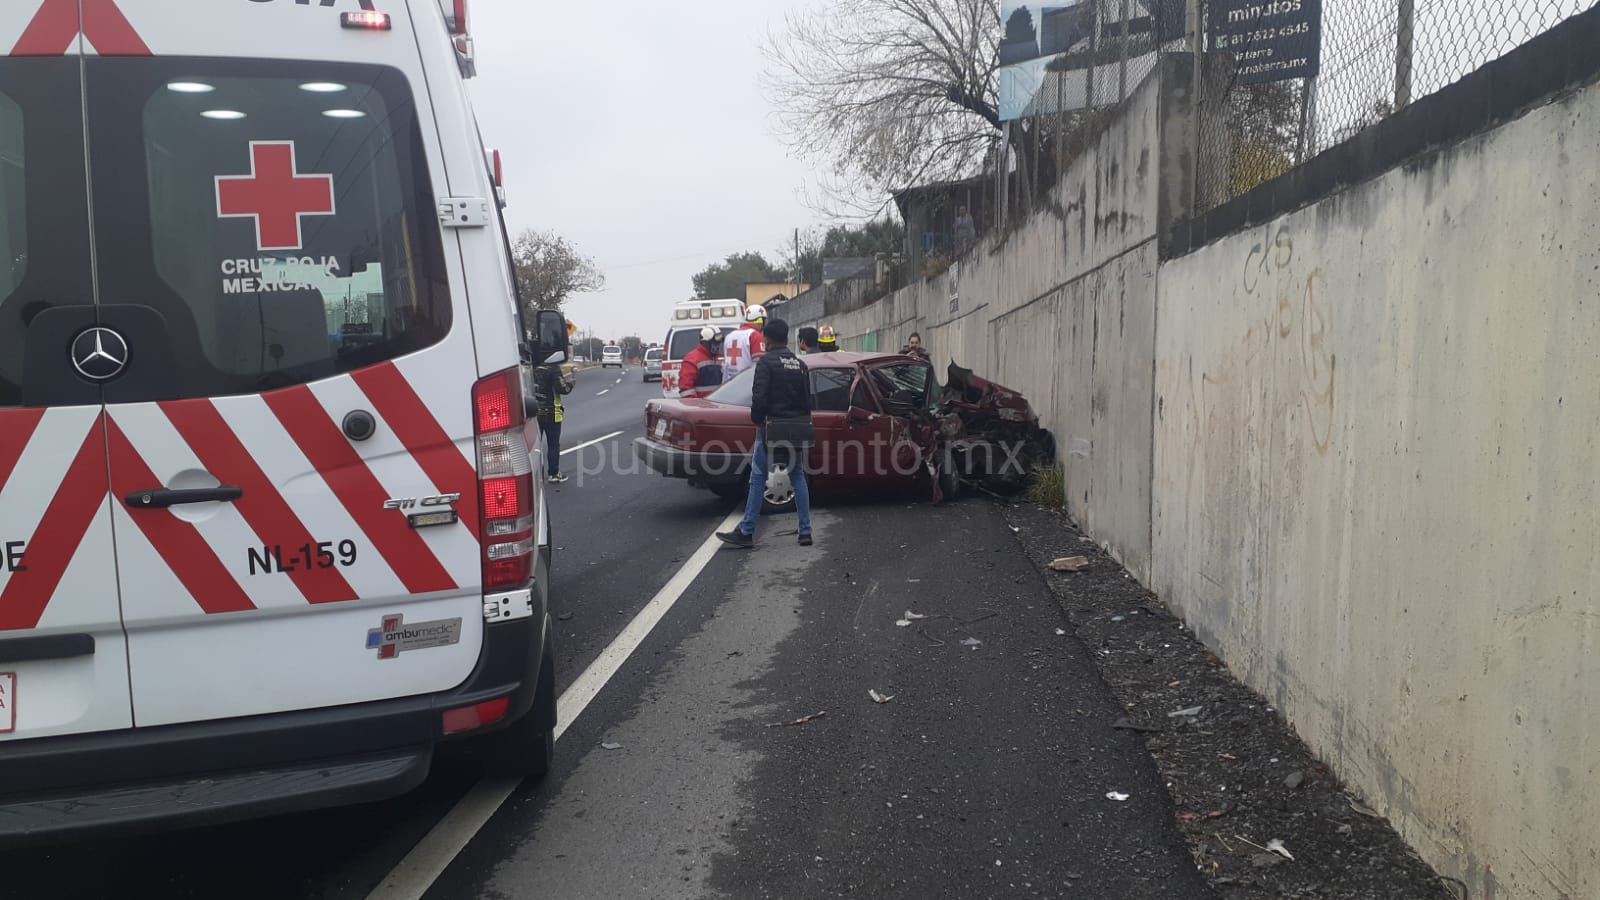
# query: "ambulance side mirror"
550,343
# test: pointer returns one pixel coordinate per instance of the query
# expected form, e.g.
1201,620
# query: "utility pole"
1403,54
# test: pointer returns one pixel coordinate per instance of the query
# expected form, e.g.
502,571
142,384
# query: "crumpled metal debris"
991,432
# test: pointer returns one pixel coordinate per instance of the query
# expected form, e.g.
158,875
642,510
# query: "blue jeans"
758,487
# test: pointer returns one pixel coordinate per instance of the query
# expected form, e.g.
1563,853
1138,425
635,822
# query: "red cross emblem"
735,353
56,25
275,194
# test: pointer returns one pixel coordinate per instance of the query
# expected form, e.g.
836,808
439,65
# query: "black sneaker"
736,538
805,539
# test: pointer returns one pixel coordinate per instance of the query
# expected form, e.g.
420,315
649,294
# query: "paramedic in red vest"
741,349
700,373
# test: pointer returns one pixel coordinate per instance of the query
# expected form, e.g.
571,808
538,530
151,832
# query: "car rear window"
738,392
652,355
280,216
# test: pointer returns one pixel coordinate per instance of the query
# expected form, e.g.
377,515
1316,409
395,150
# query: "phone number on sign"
1262,36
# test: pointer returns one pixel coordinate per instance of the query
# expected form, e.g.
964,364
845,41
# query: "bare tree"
892,93
549,269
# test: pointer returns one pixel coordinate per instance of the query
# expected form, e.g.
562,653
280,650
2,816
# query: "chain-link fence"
1377,56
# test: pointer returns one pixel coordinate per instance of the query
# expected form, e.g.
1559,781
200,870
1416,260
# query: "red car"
874,416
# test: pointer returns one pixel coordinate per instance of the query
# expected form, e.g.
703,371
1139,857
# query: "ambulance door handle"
161,498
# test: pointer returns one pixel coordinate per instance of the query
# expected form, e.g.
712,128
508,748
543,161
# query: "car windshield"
904,388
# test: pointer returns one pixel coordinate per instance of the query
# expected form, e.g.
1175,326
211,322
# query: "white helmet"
756,313
708,333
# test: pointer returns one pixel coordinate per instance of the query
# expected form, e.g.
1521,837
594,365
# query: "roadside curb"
1238,777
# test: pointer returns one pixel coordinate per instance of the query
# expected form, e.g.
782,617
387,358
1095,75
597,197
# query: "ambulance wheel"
529,744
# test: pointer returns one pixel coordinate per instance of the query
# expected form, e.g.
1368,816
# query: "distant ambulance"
683,333
270,531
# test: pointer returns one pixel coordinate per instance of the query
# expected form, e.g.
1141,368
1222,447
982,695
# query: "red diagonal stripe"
330,452
263,507
397,402
179,543
52,31
16,429
110,31
77,501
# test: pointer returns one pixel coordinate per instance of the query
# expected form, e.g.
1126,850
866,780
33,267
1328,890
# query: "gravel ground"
1238,777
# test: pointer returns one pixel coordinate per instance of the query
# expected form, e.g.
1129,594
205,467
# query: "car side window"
830,390
861,397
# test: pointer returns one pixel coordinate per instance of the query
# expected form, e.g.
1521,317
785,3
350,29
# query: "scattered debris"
563,617
1364,810
608,745
1189,713
935,641
972,642
1117,796
1118,618
1294,780
978,619
879,698
1276,846
1015,529
1131,725
1346,830
800,721
1265,860
1070,564
1060,632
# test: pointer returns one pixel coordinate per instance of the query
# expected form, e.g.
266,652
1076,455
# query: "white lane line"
604,392
421,867
619,381
590,443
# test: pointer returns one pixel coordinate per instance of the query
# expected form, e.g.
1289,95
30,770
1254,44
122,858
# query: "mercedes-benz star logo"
99,354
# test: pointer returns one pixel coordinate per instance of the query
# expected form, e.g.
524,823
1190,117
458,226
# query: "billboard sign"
1269,40
1047,48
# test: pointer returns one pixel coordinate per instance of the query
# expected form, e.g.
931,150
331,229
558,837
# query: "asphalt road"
986,775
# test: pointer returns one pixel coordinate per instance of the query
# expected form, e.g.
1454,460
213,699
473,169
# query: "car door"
830,406
300,369
63,653
903,390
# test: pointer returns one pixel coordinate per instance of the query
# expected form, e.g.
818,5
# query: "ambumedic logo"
394,636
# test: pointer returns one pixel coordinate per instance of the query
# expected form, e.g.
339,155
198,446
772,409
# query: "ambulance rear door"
293,476
63,655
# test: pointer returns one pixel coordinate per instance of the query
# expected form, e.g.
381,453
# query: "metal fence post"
1403,54
1196,98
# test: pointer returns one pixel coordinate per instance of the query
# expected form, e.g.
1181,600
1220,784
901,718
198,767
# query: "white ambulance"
683,333
269,534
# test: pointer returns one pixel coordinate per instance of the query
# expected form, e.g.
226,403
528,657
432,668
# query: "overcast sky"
638,130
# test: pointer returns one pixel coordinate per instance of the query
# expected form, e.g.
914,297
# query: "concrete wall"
1063,309
1354,444
1376,489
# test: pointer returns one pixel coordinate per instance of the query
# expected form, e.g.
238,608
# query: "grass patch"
1049,486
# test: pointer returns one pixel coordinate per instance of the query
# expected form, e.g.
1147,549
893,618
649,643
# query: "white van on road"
610,356
269,532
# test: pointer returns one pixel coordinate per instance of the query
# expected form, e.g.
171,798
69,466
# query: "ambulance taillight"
505,481
458,18
369,21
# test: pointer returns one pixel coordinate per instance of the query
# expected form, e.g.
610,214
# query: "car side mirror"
550,343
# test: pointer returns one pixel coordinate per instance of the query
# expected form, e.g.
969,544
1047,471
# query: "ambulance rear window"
280,216
13,205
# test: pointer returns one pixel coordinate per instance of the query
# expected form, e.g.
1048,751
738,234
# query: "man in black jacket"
782,391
